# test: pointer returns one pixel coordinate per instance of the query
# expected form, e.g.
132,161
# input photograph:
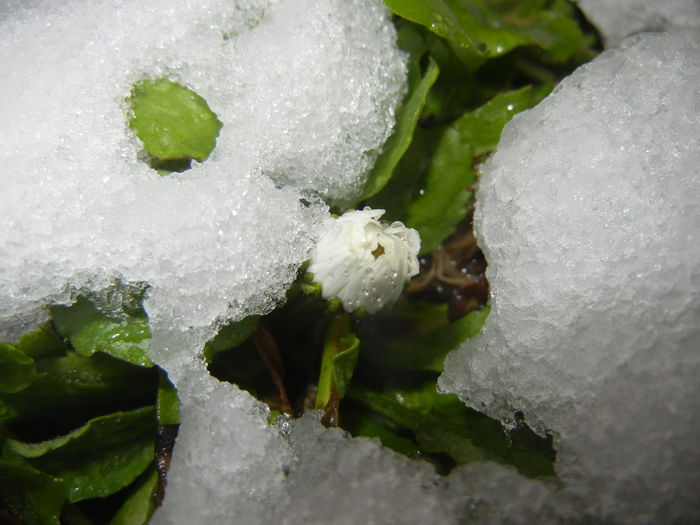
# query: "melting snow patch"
588,215
622,18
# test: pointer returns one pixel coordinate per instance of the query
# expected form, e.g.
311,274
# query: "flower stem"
337,340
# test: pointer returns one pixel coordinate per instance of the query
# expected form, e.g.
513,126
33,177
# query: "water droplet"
421,191
511,107
439,28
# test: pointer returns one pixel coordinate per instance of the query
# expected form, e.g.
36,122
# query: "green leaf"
172,121
481,129
232,356
126,341
441,424
415,337
552,24
43,341
442,202
139,506
69,390
431,433
168,404
397,144
359,422
480,30
231,336
405,184
91,331
99,458
345,362
32,496
340,354
17,369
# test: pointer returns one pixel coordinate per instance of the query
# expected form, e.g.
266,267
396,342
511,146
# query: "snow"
588,216
622,18
306,90
81,210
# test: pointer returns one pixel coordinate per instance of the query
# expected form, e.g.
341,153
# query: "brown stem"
267,347
331,412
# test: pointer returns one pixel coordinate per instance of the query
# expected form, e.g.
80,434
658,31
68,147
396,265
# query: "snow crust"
589,219
225,238
622,18
306,90
588,214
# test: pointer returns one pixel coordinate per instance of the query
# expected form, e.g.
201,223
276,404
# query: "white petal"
364,263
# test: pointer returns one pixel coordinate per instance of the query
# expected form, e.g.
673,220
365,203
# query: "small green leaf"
174,123
69,390
99,458
273,415
441,424
126,341
397,144
345,362
406,183
91,331
168,405
478,30
17,369
359,422
552,25
32,496
442,201
431,433
481,129
139,506
340,353
43,341
416,337
231,336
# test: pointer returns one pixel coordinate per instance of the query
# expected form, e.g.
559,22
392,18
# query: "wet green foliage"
81,407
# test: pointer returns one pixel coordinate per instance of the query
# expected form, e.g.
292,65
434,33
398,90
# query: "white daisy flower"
363,262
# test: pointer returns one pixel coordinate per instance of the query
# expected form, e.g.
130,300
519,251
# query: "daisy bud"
363,262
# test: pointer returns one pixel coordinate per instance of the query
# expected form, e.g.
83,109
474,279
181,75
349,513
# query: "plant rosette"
363,262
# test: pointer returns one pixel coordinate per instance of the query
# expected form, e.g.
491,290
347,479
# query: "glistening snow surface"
589,218
595,337
617,19
291,81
